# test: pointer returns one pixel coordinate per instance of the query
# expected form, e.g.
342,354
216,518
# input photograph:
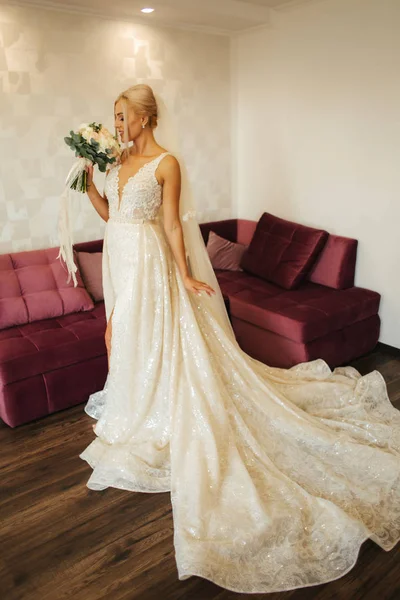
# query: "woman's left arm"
170,174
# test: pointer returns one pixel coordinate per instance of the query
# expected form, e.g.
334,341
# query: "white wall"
58,70
317,131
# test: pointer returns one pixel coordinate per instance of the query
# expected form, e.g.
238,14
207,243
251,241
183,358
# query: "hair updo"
141,98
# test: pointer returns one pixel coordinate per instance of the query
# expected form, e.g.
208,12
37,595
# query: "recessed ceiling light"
147,10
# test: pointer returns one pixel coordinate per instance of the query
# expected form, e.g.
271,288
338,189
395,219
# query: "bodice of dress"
141,196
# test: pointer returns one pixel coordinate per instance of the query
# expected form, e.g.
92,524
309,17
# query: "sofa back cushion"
90,246
335,266
245,231
33,286
282,252
226,229
240,231
90,266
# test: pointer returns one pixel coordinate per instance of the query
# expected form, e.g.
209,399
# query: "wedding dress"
277,476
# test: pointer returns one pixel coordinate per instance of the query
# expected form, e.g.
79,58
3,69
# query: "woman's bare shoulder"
169,166
170,161
168,169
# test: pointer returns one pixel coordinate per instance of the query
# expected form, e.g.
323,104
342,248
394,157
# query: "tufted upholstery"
43,346
325,316
301,315
33,286
49,363
282,252
51,360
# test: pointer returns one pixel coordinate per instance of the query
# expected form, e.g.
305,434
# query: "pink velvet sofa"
52,349
54,355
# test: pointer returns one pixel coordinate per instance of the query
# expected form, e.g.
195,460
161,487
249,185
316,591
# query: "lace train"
277,476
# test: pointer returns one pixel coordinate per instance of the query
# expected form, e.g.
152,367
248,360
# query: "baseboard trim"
389,349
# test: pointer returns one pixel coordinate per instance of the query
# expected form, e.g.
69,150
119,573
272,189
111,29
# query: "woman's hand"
193,285
89,171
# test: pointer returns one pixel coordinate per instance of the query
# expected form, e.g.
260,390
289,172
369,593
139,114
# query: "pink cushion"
90,266
335,266
223,253
281,251
33,286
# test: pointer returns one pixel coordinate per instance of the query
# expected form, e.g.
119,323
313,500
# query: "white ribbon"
64,222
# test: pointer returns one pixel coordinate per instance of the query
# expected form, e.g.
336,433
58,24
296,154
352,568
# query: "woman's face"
134,123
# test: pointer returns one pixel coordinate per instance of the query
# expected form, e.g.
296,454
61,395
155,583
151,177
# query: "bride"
277,476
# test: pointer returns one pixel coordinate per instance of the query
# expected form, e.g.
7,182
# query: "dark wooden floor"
58,539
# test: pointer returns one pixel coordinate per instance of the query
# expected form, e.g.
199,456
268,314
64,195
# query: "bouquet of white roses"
93,145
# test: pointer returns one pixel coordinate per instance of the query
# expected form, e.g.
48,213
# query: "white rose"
87,133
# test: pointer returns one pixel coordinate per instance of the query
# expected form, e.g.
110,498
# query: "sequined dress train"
277,476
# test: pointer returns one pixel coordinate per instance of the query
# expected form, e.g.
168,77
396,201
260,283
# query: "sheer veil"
196,253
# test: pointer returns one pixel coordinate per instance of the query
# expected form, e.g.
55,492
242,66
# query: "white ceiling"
219,16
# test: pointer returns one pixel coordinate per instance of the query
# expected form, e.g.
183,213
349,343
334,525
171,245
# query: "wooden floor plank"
60,540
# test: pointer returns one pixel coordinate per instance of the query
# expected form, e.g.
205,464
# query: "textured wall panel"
58,70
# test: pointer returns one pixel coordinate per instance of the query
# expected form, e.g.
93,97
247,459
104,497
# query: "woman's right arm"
100,204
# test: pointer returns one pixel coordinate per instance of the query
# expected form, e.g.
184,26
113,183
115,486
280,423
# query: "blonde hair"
141,99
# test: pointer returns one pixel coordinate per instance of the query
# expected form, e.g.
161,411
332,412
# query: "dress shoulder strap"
157,160
111,167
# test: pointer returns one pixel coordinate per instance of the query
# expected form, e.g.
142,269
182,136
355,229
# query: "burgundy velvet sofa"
324,316
54,357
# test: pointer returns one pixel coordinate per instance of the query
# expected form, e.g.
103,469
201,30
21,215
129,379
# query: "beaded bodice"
141,196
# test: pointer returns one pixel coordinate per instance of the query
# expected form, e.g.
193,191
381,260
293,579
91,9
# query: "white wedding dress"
277,476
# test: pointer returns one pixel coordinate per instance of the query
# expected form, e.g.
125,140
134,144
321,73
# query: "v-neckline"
121,192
